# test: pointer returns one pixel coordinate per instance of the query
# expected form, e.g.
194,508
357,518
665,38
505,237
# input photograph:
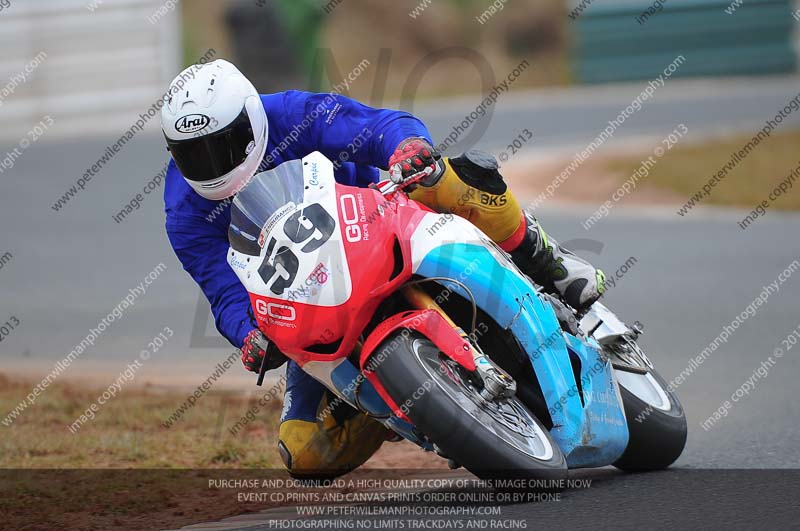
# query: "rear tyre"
497,439
656,422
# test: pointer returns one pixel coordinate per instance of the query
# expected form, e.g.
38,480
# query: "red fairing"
369,241
429,323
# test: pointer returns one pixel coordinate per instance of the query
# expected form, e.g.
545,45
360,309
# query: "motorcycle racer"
220,132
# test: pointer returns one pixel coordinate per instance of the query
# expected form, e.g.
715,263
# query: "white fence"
92,65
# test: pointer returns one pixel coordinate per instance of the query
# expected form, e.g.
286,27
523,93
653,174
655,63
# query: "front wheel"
491,439
656,422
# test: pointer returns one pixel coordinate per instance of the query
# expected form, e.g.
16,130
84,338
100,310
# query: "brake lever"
261,374
433,172
262,371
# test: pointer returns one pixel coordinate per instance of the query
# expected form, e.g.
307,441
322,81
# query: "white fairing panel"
436,230
322,275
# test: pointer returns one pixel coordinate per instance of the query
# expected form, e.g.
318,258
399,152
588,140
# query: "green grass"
685,168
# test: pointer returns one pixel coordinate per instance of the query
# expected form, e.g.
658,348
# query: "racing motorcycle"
420,321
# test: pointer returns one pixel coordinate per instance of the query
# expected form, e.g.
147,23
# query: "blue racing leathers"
299,123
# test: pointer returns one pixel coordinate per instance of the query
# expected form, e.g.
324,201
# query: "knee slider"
472,187
326,449
308,452
479,170
301,445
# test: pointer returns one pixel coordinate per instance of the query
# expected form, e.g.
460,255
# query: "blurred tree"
302,19
275,43
312,44
463,4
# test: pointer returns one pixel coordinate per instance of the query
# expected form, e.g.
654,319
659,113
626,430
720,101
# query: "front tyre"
656,422
491,439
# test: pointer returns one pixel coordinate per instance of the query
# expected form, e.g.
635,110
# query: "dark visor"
211,156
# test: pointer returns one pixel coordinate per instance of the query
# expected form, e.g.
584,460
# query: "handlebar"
390,188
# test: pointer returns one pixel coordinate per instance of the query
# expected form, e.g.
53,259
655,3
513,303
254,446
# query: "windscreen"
267,194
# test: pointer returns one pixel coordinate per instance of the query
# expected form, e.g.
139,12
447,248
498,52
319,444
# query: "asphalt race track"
71,267
692,276
674,499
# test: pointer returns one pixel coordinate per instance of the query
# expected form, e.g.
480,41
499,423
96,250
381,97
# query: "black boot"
556,269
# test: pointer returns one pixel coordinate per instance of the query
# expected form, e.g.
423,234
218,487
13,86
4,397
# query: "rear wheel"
497,438
656,422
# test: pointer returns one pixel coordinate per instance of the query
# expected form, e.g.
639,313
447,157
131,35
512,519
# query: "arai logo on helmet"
192,123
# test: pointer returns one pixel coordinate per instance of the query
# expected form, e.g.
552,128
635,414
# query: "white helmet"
216,128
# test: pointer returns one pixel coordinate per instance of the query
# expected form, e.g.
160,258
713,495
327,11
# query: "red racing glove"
415,158
256,346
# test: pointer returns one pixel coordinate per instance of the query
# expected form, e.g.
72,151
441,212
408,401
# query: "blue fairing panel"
594,434
604,429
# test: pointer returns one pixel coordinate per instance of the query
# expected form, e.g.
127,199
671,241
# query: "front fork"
496,382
